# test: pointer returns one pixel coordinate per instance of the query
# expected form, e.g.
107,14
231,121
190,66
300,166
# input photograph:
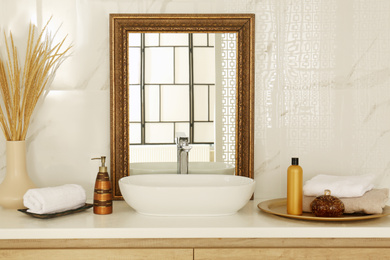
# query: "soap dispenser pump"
102,197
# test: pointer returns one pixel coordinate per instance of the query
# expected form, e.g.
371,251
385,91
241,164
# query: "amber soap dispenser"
102,197
294,188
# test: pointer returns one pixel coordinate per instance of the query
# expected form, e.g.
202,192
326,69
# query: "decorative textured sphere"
327,206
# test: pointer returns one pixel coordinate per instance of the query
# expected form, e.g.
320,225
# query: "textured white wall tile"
321,76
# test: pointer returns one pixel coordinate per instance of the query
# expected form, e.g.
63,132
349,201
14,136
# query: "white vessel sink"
171,167
186,194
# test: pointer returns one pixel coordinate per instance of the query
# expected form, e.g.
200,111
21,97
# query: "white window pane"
135,103
134,39
175,103
135,133
211,39
134,65
159,65
181,65
203,132
182,129
152,39
174,39
152,103
200,39
159,133
204,65
212,102
201,102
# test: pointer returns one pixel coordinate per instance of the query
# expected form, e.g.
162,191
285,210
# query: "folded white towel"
340,186
54,199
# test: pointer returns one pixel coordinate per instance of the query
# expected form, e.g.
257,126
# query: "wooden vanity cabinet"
197,248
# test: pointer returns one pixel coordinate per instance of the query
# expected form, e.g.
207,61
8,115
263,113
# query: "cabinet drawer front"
66,254
291,253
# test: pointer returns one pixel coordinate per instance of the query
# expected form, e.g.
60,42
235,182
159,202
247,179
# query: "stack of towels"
356,192
54,199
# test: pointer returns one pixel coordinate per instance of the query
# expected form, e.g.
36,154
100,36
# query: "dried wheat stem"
21,90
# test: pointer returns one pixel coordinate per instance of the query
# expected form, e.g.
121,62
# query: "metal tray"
59,214
279,207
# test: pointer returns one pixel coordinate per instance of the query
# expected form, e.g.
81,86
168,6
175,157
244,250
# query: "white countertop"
249,222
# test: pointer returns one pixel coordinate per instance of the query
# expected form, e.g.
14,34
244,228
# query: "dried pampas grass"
21,89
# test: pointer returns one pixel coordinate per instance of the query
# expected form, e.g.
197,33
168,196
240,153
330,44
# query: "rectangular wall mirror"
181,75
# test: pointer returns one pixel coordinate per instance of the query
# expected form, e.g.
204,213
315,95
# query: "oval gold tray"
279,207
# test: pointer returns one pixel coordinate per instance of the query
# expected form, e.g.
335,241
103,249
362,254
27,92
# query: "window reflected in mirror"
182,84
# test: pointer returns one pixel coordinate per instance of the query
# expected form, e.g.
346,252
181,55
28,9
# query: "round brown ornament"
327,206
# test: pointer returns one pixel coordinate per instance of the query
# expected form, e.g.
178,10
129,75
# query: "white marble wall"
322,86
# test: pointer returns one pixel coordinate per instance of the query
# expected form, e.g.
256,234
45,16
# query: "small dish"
279,207
58,214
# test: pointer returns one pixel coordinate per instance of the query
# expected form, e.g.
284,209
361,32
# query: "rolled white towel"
340,186
54,199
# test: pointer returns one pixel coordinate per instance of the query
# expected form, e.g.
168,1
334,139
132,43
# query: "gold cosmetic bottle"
294,188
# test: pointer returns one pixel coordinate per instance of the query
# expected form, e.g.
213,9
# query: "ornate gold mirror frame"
122,24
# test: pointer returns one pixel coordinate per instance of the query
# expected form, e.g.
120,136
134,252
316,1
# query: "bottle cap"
295,161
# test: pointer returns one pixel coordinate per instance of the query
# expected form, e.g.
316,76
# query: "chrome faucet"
182,155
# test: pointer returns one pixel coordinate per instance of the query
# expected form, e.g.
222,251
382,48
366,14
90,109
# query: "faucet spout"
182,155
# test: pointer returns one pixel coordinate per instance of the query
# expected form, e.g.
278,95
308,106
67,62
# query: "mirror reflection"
182,85
236,122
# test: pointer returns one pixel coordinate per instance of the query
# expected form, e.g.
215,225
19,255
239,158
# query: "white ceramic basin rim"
186,195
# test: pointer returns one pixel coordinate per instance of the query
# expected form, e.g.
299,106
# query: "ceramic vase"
16,181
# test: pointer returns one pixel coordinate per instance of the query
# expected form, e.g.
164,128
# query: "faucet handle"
182,140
